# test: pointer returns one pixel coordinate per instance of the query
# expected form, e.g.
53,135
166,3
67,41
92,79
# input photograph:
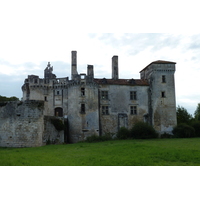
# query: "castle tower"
162,98
115,73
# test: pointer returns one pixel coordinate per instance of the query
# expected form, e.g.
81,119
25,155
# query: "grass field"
157,152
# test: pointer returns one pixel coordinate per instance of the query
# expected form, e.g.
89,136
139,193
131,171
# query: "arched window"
58,112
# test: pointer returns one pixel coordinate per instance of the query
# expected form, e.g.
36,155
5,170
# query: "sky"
33,33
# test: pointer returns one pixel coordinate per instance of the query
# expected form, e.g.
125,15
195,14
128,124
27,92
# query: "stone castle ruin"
87,105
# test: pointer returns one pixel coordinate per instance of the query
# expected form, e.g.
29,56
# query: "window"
58,92
82,91
82,108
163,79
163,95
45,98
133,95
105,110
104,95
133,110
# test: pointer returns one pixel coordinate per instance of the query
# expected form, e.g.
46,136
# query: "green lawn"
157,152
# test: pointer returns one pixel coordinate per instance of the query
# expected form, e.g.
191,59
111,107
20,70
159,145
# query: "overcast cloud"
34,33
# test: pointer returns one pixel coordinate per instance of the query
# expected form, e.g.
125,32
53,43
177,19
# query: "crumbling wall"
53,134
21,124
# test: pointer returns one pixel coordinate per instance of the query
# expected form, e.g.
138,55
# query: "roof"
159,62
139,82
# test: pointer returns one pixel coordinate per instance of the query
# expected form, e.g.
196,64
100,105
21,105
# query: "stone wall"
22,124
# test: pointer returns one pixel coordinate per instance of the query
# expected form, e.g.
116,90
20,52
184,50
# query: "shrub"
96,138
142,130
123,133
166,135
196,126
183,131
58,124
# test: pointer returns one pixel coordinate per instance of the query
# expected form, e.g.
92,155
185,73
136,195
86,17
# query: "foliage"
166,135
96,138
58,124
3,98
196,126
183,131
197,113
142,130
155,152
183,116
123,133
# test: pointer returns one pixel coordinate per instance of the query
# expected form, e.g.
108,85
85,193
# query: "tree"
183,116
3,98
197,113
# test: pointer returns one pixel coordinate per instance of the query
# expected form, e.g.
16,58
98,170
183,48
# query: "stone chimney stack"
115,74
90,71
74,72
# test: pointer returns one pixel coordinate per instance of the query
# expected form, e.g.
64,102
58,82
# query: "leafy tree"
3,98
197,112
183,116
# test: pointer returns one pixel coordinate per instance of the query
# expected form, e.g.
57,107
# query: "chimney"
115,75
90,71
74,65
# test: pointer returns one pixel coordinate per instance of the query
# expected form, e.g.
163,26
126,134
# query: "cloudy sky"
33,33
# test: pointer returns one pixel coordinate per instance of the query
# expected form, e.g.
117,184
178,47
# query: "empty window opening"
82,108
83,76
163,95
105,110
133,110
82,91
104,95
45,98
163,79
58,112
133,95
58,92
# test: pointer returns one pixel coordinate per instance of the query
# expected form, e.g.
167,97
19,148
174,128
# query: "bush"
196,126
123,133
58,124
96,138
183,131
142,130
166,135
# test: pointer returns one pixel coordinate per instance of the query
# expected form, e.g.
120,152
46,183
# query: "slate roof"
159,62
137,82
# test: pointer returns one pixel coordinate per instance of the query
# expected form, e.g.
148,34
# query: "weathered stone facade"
99,106
23,124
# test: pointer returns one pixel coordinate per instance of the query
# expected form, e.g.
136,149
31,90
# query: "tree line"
187,125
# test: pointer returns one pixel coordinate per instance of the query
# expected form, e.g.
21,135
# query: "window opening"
163,79
163,95
133,95
133,110
82,108
104,95
82,91
105,110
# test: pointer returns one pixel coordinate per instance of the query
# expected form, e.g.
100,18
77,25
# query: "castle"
98,106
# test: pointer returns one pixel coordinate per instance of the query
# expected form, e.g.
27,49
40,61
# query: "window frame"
105,110
133,95
104,95
163,78
133,110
